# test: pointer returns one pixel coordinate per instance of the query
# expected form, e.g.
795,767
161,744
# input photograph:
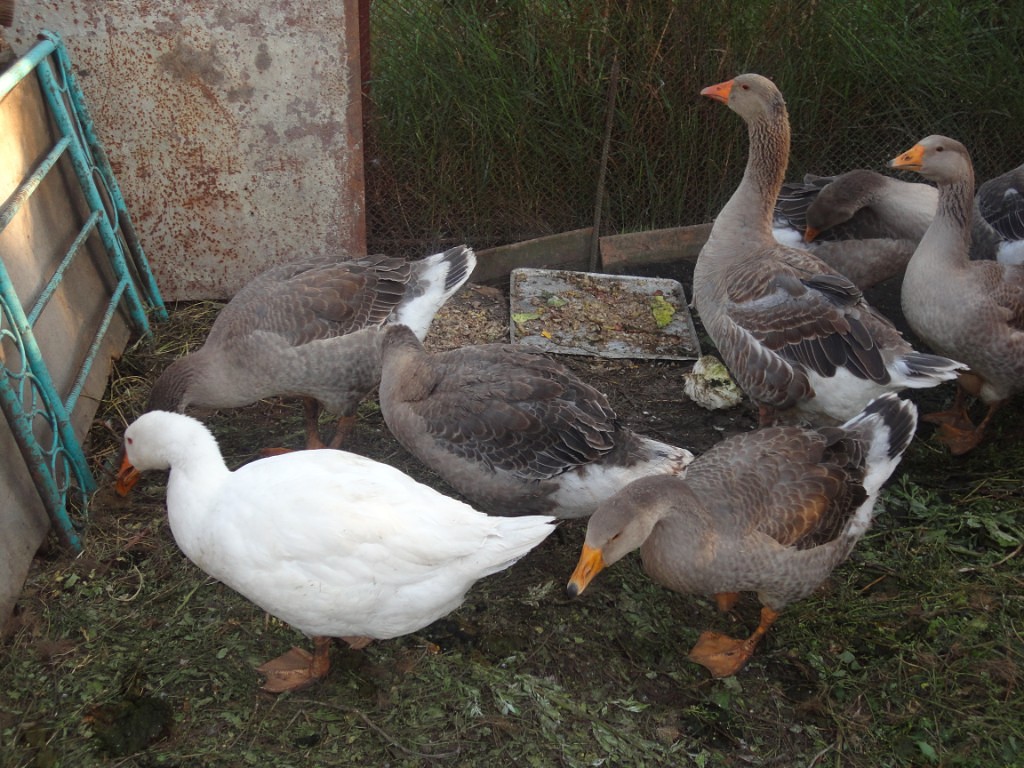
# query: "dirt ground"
854,676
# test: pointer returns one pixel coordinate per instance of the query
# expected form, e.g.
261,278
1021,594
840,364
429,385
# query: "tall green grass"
487,118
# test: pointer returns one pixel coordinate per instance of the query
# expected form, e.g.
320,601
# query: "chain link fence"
494,121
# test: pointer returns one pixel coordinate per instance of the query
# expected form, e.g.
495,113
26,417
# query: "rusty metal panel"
234,128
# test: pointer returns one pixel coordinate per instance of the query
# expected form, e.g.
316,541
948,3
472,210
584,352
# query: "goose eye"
128,441
939,148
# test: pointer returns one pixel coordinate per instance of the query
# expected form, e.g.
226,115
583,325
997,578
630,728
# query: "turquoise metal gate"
37,413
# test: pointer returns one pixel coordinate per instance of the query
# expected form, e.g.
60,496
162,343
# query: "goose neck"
748,214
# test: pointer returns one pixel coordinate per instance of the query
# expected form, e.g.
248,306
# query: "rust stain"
199,68
325,131
186,62
263,59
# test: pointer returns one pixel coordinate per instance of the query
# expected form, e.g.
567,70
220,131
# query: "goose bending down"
796,335
862,224
882,215
335,544
973,310
856,205
1001,203
772,511
311,329
513,431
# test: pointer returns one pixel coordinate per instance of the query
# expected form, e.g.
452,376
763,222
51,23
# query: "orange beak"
127,477
590,564
911,160
719,92
810,233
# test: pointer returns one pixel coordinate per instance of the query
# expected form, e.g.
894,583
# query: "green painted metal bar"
58,274
37,365
83,169
50,289
28,185
41,464
94,348
147,282
51,495
20,69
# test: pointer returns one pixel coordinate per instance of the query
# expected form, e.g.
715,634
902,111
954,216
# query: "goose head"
748,95
937,158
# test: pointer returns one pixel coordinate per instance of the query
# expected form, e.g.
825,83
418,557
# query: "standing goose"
311,329
772,511
513,431
796,335
335,544
973,310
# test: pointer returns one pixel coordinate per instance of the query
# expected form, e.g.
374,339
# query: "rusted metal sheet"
233,128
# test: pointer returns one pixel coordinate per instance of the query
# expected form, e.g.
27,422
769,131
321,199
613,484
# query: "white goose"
335,544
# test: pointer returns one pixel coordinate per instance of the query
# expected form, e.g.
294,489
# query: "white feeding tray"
585,313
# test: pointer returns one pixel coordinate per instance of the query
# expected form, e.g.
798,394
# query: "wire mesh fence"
493,121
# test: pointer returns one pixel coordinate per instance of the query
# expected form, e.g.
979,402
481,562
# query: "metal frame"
38,415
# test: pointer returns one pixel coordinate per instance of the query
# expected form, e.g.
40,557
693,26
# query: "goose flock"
341,546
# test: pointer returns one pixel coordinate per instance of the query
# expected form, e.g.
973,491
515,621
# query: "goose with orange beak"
772,511
127,476
971,309
799,338
333,543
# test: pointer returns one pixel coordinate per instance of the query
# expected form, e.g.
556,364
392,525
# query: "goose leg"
345,425
956,416
724,656
766,415
726,601
311,409
298,668
356,642
313,440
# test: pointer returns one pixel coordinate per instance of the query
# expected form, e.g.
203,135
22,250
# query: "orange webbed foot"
297,668
955,418
724,656
958,439
721,655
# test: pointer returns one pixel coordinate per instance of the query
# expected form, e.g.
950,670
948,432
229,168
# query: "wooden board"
571,250
566,250
620,252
